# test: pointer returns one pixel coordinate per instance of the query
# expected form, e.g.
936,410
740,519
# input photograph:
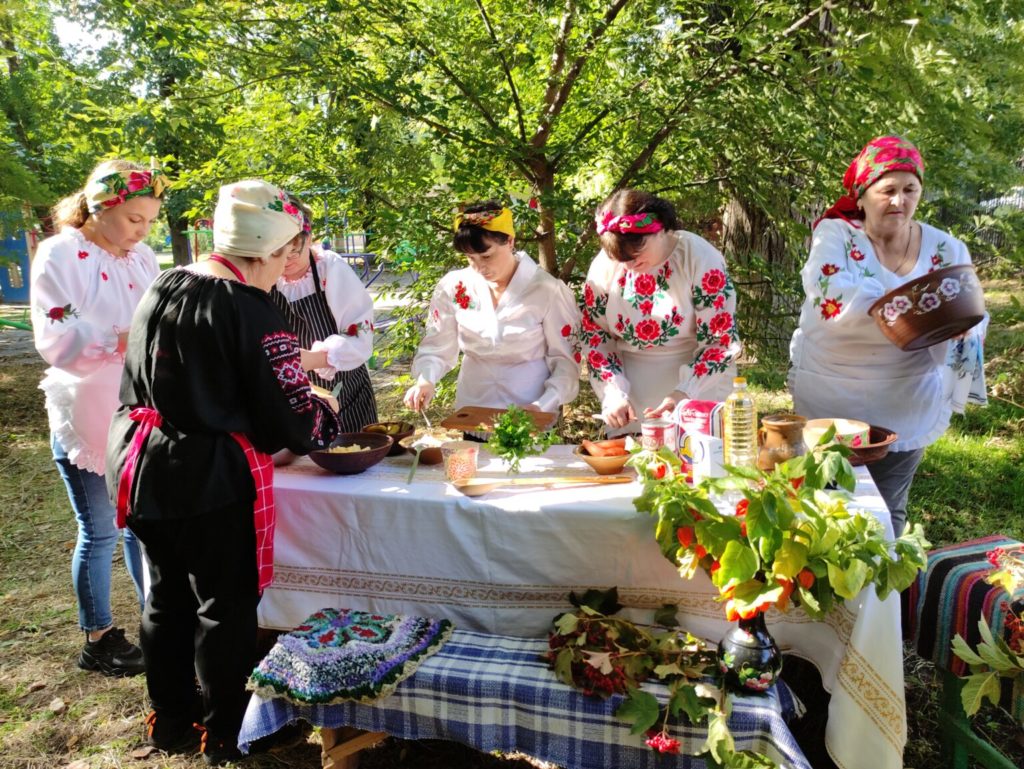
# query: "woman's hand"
618,413
418,396
313,360
668,403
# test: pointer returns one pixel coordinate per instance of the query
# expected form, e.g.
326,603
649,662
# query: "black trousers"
200,615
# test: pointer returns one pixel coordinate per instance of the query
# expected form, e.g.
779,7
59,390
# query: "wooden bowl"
377,445
432,454
602,465
397,431
876,448
931,309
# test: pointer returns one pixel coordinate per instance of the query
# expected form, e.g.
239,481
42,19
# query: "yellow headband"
495,221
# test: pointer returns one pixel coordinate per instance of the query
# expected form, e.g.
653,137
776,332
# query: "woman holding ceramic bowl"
867,244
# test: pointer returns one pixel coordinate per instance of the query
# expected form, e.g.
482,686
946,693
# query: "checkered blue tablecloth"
494,693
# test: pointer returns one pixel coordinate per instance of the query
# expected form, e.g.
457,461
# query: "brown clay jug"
781,437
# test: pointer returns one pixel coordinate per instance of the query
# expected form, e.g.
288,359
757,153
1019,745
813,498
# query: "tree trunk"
544,184
746,229
179,240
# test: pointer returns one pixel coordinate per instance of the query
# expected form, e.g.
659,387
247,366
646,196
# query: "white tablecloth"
506,562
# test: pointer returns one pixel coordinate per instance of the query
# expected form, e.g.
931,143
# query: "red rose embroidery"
700,370
352,330
936,259
713,281
104,276
622,280
577,357
619,325
595,340
588,323
856,254
713,355
646,306
606,376
566,330
647,330
830,308
720,323
597,359
83,254
588,296
719,302
829,269
56,313
461,297
645,284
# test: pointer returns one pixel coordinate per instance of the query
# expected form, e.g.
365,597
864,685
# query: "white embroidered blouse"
842,364
686,310
82,297
522,351
351,305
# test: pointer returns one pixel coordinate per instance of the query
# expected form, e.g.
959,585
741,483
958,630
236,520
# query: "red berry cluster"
587,678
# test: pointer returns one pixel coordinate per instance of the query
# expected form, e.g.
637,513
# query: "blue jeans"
97,538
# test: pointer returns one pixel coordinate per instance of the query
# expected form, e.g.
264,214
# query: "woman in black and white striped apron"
332,314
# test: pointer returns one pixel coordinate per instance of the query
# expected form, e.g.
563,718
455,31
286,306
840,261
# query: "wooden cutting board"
469,418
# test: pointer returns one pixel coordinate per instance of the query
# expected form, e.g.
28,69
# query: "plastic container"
740,427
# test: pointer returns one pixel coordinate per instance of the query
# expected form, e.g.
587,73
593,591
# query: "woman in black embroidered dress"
213,385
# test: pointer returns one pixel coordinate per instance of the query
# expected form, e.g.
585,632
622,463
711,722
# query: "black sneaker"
172,734
216,751
112,655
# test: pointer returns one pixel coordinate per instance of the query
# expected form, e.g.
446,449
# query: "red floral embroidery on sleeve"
59,314
830,308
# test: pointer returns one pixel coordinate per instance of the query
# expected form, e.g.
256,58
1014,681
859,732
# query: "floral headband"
627,224
495,221
114,189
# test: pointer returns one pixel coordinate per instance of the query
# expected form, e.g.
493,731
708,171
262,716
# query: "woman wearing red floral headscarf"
865,245
659,312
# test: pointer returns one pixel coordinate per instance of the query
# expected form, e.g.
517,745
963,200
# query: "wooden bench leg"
340,747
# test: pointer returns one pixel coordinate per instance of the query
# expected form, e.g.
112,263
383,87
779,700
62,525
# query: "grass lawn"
53,715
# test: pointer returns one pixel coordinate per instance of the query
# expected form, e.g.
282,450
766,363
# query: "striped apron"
312,320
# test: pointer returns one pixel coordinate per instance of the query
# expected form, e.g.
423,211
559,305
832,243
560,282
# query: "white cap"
253,219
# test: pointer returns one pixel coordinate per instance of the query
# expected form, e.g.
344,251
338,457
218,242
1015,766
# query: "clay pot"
931,309
748,657
781,437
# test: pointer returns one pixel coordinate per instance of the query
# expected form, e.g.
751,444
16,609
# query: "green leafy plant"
515,436
773,539
602,655
995,657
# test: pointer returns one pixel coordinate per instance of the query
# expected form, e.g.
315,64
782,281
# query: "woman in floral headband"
514,323
332,314
213,385
865,245
659,313
86,282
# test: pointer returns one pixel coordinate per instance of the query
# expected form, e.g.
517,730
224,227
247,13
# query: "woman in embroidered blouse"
86,282
331,312
865,245
514,323
658,313
213,385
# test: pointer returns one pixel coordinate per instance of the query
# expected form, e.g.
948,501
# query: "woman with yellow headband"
86,282
513,323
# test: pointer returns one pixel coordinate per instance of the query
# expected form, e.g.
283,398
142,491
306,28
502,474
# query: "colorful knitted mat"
339,655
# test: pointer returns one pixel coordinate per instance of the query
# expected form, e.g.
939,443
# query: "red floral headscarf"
879,156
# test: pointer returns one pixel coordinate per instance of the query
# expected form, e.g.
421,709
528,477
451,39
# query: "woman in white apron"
865,245
659,313
514,324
